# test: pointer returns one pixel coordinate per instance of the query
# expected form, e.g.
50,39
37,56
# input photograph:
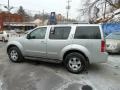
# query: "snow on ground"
1,85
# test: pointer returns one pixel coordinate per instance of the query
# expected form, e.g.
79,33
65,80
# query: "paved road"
33,75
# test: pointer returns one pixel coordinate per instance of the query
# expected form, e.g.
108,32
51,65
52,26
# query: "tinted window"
39,33
59,32
87,32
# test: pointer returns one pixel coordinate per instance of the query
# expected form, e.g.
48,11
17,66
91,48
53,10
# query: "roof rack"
81,23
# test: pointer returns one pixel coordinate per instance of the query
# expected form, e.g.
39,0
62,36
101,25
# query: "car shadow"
47,64
114,54
94,67
60,66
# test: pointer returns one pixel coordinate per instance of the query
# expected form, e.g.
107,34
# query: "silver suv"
74,45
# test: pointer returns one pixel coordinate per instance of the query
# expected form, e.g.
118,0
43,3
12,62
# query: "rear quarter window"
87,32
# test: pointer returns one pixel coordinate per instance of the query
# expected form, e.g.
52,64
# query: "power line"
68,8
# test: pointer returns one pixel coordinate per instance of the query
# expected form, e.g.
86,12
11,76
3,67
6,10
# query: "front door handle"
43,42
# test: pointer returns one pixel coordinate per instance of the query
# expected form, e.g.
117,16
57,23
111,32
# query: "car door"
58,39
35,43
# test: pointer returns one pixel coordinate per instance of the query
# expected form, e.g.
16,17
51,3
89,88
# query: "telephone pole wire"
68,7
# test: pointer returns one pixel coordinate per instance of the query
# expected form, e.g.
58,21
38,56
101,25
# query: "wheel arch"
78,51
12,45
19,57
15,44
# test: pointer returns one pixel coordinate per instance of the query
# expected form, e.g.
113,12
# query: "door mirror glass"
28,36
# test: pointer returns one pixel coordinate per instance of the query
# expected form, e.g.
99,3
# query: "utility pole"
43,19
9,14
9,9
68,8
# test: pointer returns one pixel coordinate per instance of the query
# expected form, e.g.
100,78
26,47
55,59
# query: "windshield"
113,36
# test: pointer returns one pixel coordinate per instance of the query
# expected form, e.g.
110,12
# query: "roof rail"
81,23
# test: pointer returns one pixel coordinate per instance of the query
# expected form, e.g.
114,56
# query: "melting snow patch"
1,85
78,83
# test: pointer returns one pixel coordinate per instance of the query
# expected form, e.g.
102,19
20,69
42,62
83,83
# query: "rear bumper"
100,58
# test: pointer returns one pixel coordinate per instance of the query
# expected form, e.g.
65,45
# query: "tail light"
103,46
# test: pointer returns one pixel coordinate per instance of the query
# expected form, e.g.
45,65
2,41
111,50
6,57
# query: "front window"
39,33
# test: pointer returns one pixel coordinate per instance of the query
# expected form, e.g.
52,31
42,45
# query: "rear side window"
59,32
87,32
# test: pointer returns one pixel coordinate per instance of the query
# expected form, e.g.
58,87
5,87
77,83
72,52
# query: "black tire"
109,53
79,57
19,56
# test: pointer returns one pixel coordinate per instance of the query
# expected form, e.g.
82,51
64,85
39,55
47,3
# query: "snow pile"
117,11
117,16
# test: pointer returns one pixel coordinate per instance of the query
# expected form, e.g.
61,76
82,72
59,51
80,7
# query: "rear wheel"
15,54
75,62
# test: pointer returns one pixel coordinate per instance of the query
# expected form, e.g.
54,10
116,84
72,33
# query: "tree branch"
111,3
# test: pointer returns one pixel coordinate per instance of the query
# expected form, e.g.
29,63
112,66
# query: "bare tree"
91,7
41,16
94,10
24,14
84,8
115,4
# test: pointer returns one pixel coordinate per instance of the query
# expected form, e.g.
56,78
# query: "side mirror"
28,36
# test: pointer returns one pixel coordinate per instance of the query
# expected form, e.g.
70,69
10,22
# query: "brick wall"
13,17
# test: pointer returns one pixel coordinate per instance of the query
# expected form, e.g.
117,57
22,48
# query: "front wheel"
15,54
75,62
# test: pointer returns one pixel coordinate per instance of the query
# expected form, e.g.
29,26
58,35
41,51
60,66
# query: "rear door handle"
43,42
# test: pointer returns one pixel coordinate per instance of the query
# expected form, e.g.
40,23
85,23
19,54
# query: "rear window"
87,32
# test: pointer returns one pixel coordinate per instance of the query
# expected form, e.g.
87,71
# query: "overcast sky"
46,5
